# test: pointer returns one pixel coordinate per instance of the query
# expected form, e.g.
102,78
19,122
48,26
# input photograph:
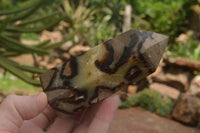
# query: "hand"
32,114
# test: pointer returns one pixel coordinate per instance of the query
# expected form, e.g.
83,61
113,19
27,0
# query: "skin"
32,114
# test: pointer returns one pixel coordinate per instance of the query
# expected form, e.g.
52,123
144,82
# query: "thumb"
15,108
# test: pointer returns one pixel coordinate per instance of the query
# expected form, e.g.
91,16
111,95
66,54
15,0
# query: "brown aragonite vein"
69,69
132,73
103,70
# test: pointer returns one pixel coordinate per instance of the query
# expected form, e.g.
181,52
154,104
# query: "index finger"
44,119
104,116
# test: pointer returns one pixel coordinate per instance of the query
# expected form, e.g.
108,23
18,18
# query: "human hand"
32,114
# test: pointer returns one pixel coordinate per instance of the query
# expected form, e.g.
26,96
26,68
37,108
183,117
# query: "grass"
150,100
190,50
10,84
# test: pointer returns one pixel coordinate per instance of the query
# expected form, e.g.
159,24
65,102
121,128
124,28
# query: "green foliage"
98,34
139,22
5,4
30,36
76,16
11,84
189,50
113,10
94,17
151,100
166,16
93,22
24,21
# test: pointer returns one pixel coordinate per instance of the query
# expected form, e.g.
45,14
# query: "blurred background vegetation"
37,35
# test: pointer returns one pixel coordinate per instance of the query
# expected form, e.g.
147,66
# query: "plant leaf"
19,46
4,24
42,44
17,10
38,19
17,72
23,15
36,29
25,67
69,37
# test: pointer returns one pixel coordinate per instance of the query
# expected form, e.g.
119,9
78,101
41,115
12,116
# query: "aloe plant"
76,16
13,23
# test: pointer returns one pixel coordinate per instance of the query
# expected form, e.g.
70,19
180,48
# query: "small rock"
132,89
66,46
49,66
29,42
25,59
182,38
46,58
195,86
165,90
56,61
56,53
179,81
78,49
65,56
54,36
187,110
43,64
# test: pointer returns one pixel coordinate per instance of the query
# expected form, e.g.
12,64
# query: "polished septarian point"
103,70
